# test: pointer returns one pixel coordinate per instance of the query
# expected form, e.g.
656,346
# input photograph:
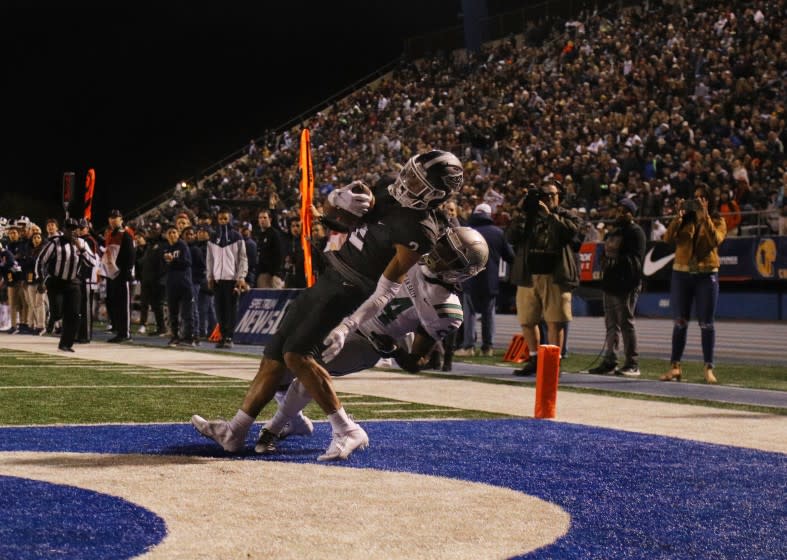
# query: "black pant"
85,332
152,295
55,296
119,303
226,300
180,300
68,291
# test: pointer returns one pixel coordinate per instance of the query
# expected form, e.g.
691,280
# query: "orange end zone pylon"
215,336
517,350
547,376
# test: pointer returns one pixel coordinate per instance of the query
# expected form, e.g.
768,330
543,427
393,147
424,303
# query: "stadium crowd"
646,103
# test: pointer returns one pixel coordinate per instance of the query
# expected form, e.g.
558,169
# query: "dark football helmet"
427,179
459,254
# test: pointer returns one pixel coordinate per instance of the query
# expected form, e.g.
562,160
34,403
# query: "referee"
59,264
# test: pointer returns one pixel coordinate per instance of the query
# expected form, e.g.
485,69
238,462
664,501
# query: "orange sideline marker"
517,350
547,377
215,336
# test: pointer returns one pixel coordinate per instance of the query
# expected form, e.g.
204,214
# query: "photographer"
695,276
546,237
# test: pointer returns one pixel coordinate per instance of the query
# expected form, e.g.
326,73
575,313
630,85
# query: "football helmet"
427,179
459,254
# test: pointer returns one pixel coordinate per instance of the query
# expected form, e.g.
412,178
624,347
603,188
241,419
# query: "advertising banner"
259,314
743,259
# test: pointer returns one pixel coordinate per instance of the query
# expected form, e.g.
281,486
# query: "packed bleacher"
642,103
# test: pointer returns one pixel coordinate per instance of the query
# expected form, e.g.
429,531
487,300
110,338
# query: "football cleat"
266,442
342,445
219,431
300,425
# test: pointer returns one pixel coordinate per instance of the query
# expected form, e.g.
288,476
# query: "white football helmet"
427,179
459,254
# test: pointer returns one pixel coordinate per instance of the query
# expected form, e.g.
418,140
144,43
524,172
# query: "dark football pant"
313,315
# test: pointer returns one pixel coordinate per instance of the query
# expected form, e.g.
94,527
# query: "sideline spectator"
480,291
269,255
697,233
621,281
227,268
198,277
118,266
177,262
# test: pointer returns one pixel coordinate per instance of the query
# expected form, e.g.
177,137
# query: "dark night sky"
151,95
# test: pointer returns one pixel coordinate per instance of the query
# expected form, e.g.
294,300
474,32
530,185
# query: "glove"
356,203
335,341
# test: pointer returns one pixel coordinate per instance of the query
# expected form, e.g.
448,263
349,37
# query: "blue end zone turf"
43,520
630,496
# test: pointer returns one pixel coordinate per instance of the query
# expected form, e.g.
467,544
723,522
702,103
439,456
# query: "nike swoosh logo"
651,267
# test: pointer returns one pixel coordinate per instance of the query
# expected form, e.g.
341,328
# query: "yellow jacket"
696,244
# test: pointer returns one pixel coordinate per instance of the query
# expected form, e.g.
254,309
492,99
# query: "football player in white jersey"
426,305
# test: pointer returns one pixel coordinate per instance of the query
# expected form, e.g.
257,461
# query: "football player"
363,276
426,305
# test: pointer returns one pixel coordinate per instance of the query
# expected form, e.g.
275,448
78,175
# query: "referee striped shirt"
61,259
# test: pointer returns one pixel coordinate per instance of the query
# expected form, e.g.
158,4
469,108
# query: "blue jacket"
179,269
486,283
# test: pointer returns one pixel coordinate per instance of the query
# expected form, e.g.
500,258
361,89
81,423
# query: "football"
339,219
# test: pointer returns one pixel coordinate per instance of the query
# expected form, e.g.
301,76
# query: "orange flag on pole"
90,184
307,195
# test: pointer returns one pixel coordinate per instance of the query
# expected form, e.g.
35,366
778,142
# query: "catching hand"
355,200
334,342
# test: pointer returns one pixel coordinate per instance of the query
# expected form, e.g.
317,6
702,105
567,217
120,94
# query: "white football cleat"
219,431
342,445
298,426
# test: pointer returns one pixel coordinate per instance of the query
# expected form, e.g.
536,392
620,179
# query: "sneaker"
220,344
266,442
531,367
628,371
219,431
142,330
299,426
465,352
228,343
64,348
447,365
603,368
174,341
342,445
488,352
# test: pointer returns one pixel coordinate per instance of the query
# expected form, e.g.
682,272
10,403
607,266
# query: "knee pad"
707,326
681,324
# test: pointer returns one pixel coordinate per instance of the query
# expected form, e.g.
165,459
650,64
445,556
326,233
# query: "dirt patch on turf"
220,508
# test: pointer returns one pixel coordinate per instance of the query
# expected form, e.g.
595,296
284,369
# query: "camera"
691,205
530,204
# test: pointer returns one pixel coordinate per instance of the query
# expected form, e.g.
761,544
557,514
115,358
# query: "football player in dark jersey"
364,275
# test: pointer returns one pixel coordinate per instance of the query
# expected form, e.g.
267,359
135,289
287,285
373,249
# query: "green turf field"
45,389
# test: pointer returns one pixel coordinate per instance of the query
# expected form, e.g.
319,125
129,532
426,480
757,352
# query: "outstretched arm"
387,286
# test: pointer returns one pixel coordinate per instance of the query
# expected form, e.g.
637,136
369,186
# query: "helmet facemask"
413,188
458,255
